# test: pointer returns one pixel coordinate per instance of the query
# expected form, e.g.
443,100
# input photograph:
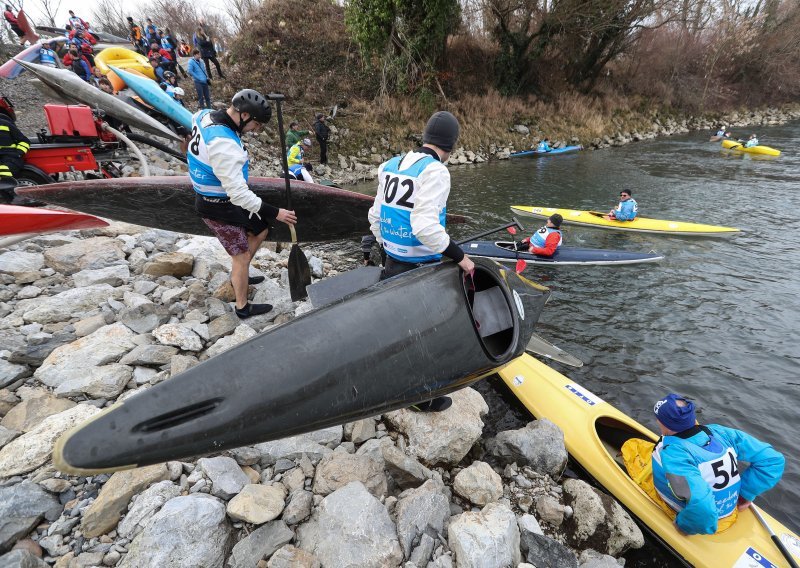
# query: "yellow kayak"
124,59
597,220
594,431
739,147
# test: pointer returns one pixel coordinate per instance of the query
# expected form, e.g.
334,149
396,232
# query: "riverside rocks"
376,492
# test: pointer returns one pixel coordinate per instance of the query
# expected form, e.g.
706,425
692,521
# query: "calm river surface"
716,320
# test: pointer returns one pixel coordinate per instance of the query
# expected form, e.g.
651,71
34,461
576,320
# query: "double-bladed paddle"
780,546
299,270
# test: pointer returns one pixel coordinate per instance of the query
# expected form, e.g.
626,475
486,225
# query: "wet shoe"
255,280
250,310
436,405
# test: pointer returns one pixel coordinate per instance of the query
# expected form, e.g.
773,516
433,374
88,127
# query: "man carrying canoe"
704,474
218,167
410,210
547,239
626,210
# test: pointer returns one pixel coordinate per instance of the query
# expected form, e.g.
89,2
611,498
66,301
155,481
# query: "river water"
716,320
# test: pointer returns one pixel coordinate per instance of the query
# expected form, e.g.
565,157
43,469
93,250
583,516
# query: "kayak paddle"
299,270
540,346
521,264
514,223
774,537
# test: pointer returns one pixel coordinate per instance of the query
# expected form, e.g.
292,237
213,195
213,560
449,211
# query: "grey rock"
486,538
298,509
89,325
144,318
180,363
222,326
7,434
38,405
247,456
421,511
528,524
22,506
259,544
21,559
406,471
360,431
176,264
145,506
188,532
241,333
97,252
19,262
107,381
39,347
28,292
544,552
316,266
9,373
312,444
111,275
134,300
479,483
550,510
227,477
179,335
289,556
539,445
149,355
73,303
144,287
257,504
593,559
351,529
422,552
338,469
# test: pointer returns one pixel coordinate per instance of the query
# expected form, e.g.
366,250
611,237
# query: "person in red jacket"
546,240
8,14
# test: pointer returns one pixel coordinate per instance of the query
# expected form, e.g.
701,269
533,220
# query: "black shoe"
255,280
436,405
253,310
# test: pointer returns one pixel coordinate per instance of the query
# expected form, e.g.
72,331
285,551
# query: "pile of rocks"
91,318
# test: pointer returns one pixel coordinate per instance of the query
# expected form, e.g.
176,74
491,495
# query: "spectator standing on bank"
201,81
323,133
206,46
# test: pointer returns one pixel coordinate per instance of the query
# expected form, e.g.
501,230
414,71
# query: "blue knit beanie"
676,418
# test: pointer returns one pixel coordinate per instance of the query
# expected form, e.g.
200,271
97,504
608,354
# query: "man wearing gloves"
218,167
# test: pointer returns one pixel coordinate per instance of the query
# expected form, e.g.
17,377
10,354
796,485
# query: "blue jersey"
703,476
750,143
399,188
47,57
543,147
539,238
626,210
201,173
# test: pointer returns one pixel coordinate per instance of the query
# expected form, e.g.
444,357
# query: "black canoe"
504,252
393,344
323,213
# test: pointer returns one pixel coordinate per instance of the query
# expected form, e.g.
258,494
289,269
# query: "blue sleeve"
626,212
765,462
699,516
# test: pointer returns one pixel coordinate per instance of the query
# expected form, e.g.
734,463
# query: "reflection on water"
717,320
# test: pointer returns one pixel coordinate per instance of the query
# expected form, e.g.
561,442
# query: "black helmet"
168,74
253,103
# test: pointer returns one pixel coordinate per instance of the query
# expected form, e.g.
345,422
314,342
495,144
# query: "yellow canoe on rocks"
594,431
124,59
597,220
760,150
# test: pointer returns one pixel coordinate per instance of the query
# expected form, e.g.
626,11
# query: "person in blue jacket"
752,141
626,210
47,54
198,74
707,473
544,146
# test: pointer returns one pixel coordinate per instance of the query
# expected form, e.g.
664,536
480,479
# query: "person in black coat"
323,133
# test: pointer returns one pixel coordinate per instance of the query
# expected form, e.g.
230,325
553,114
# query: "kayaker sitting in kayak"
544,146
723,132
546,240
626,210
701,475
752,141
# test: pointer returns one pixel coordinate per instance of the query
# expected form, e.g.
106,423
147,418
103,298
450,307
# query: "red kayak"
16,220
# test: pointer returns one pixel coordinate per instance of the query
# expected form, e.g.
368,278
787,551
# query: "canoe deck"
503,251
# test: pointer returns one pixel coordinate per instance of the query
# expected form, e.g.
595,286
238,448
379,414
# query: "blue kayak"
503,251
151,93
564,150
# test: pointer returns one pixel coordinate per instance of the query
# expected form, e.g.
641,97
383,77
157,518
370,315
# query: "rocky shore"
94,317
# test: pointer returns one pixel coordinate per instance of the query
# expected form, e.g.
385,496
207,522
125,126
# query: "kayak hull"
16,220
30,35
69,85
323,213
501,252
152,94
400,348
595,219
592,430
123,58
759,150
535,153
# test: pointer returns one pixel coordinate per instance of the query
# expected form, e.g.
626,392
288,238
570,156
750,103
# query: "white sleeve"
227,159
431,199
375,211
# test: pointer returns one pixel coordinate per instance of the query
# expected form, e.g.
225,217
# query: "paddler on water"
410,210
626,209
702,474
544,145
722,132
219,167
752,141
546,240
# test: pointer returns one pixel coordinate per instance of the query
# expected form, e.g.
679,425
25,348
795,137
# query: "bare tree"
239,11
110,16
50,8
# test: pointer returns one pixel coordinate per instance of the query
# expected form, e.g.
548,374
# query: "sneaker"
250,310
436,405
255,280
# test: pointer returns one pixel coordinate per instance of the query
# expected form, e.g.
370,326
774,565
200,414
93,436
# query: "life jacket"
399,187
717,463
543,147
539,238
297,171
627,210
750,143
201,173
47,57
136,32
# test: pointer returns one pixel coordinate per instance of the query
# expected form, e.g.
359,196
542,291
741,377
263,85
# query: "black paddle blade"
299,273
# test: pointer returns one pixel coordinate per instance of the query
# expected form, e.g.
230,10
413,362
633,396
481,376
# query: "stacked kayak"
594,431
16,220
504,252
564,150
151,93
123,59
760,150
597,220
